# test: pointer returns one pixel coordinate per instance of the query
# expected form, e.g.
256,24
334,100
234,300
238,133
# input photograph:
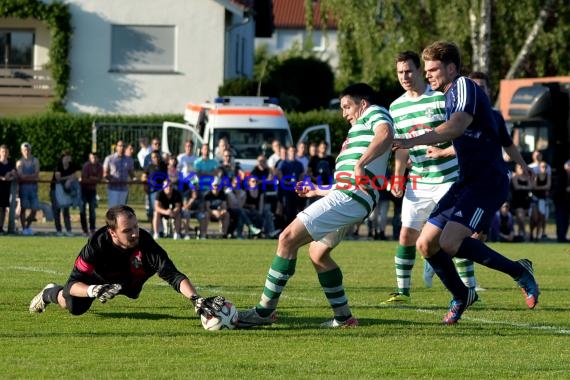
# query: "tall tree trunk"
480,28
523,53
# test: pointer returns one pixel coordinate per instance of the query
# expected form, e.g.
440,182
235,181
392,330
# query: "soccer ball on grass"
226,318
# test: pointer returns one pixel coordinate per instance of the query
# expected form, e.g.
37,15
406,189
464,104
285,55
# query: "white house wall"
283,40
199,56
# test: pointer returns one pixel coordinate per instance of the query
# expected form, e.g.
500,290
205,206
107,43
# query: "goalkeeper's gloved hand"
104,292
208,306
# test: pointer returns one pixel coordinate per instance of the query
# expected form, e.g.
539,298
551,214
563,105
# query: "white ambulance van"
249,123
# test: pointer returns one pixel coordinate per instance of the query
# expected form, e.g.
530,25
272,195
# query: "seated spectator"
193,206
217,207
502,227
258,212
168,204
236,197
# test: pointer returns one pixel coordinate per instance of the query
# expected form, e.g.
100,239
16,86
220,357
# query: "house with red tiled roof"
290,31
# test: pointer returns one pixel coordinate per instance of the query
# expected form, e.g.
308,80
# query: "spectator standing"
261,171
64,176
118,169
204,165
562,204
540,209
536,160
130,151
144,150
7,175
91,175
28,170
302,155
153,179
223,145
275,156
290,172
521,195
321,167
155,145
172,170
186,161
228,168
313,147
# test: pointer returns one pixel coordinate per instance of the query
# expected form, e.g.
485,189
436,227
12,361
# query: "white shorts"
418,203
328,219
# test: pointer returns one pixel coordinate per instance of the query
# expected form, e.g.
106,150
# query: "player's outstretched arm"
447,131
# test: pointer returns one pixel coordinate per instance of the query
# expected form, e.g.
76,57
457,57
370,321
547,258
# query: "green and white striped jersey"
417,116
359,138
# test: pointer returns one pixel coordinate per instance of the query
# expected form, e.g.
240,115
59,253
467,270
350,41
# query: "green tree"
490,33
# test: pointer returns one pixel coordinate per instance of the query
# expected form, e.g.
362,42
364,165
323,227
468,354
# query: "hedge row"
50,133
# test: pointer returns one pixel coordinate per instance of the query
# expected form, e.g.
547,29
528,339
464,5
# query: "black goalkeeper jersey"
102,262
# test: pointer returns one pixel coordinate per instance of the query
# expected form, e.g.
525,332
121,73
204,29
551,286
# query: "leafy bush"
52,132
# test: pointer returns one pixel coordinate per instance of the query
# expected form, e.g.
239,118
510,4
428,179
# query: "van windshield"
249,143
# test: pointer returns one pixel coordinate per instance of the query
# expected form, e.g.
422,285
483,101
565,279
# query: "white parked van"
249,123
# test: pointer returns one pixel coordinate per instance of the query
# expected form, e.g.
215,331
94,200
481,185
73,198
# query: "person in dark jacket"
117,260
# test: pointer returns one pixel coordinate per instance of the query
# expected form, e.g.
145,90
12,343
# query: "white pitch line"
554,329
35,269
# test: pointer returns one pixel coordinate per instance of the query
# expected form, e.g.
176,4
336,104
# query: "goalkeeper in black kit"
118,260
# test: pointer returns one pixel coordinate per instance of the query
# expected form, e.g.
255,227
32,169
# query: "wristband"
90,291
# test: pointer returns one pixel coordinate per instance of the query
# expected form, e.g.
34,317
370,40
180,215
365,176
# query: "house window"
16,48
142,48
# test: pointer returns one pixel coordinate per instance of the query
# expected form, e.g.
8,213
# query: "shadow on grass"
139,315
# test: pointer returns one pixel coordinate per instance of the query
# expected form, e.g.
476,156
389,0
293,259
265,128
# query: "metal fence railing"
104,136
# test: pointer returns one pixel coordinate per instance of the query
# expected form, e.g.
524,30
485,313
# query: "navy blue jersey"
478,149
504,135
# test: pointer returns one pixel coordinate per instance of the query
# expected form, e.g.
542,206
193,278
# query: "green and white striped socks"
279,273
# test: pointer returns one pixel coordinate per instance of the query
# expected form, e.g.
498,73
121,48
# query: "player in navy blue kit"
118,259
481,189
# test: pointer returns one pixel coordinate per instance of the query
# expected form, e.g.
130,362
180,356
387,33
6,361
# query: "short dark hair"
359,91
480,75
409,55
446,52
113,213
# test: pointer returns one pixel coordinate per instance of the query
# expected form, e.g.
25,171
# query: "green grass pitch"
159,337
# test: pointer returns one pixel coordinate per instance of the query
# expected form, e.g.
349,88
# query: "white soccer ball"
226,318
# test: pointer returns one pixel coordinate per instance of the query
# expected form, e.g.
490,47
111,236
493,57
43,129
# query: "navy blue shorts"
472,205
